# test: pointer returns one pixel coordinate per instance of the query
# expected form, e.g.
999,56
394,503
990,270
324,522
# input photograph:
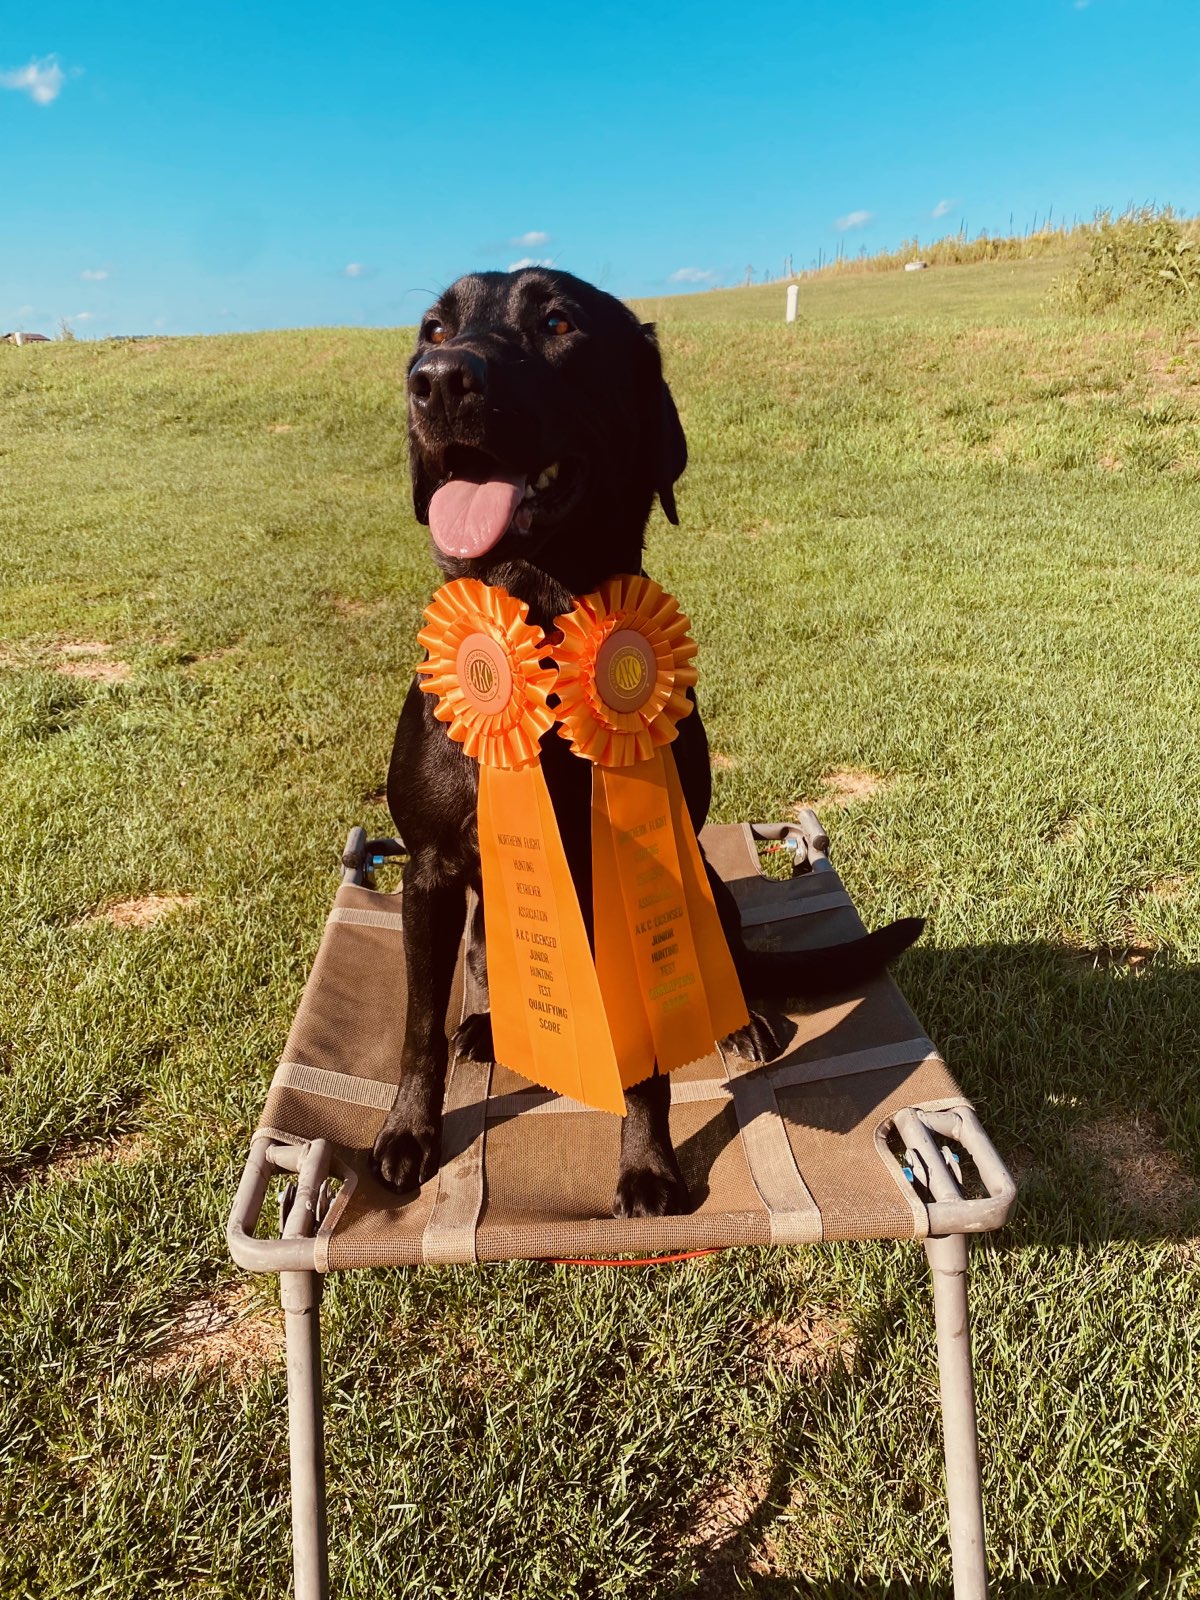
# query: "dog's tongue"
466,519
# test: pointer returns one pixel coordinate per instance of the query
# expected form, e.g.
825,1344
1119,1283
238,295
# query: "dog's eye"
435,332
557,324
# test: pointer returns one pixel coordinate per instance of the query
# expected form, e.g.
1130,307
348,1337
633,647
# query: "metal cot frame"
928,1161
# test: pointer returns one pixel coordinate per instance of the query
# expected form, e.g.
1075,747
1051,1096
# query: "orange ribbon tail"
665,971
548,1018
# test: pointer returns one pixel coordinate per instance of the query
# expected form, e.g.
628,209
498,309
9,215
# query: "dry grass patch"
143,910
1139,1167
723,762
236,1331
281,427
847,786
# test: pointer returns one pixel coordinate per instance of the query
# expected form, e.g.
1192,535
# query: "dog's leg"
649,1182
408,1149
757,1040
473,1037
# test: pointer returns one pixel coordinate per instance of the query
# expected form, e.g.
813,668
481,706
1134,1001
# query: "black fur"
497,384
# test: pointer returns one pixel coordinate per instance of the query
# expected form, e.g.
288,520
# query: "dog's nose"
445,379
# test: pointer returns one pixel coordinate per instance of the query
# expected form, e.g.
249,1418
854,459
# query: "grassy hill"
985,291
939,546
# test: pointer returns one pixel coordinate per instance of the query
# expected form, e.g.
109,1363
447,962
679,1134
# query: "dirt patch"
985,338
1171,888
1110,463
90,659
724,763
720,1535
1175,370
236,1331
80,648
281,427
190,659
847,786
126,1150
143,910
343,606
1067,830
96,671
1021,1163
1123,957
1139,1166
813,1344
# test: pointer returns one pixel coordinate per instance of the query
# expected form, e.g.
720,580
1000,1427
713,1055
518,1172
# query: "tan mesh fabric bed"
788,1154
856,1131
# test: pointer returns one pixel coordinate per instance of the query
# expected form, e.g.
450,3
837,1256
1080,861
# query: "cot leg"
948,1263
301,1296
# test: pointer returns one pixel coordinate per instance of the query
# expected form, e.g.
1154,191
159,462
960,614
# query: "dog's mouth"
478,501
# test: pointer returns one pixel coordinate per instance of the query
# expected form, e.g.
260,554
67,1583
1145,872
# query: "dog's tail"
809,973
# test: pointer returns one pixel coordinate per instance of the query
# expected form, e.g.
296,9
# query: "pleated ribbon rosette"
625,663
485,665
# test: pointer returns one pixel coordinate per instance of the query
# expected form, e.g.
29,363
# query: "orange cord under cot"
640,1261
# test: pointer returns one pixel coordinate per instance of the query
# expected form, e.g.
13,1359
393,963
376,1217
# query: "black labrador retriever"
540,432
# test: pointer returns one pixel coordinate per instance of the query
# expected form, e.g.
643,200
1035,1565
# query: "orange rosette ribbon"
625,664
484,663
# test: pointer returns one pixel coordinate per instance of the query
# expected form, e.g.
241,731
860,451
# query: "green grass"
933,531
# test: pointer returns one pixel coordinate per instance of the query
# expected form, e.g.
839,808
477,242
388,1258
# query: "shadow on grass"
726,1570
1086,1072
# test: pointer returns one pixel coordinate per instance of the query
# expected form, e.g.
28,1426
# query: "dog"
541,430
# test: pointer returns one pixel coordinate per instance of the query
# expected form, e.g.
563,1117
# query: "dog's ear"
672,445
672,455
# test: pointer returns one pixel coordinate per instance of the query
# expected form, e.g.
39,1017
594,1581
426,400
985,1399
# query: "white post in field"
793,295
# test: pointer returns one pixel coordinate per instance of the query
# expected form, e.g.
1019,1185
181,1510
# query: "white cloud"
94,274
692,275
41,80
81,316
354,269
527,261
944,208
531,240
854,219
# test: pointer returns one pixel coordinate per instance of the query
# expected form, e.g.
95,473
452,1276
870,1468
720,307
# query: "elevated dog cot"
856,1131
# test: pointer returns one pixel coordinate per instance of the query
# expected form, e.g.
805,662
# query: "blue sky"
226,167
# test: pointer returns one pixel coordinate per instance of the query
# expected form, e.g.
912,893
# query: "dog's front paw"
473,1037
757,1041
408,1150
650,1192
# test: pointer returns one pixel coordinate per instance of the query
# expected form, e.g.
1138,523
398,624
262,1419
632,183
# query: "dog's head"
540,427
